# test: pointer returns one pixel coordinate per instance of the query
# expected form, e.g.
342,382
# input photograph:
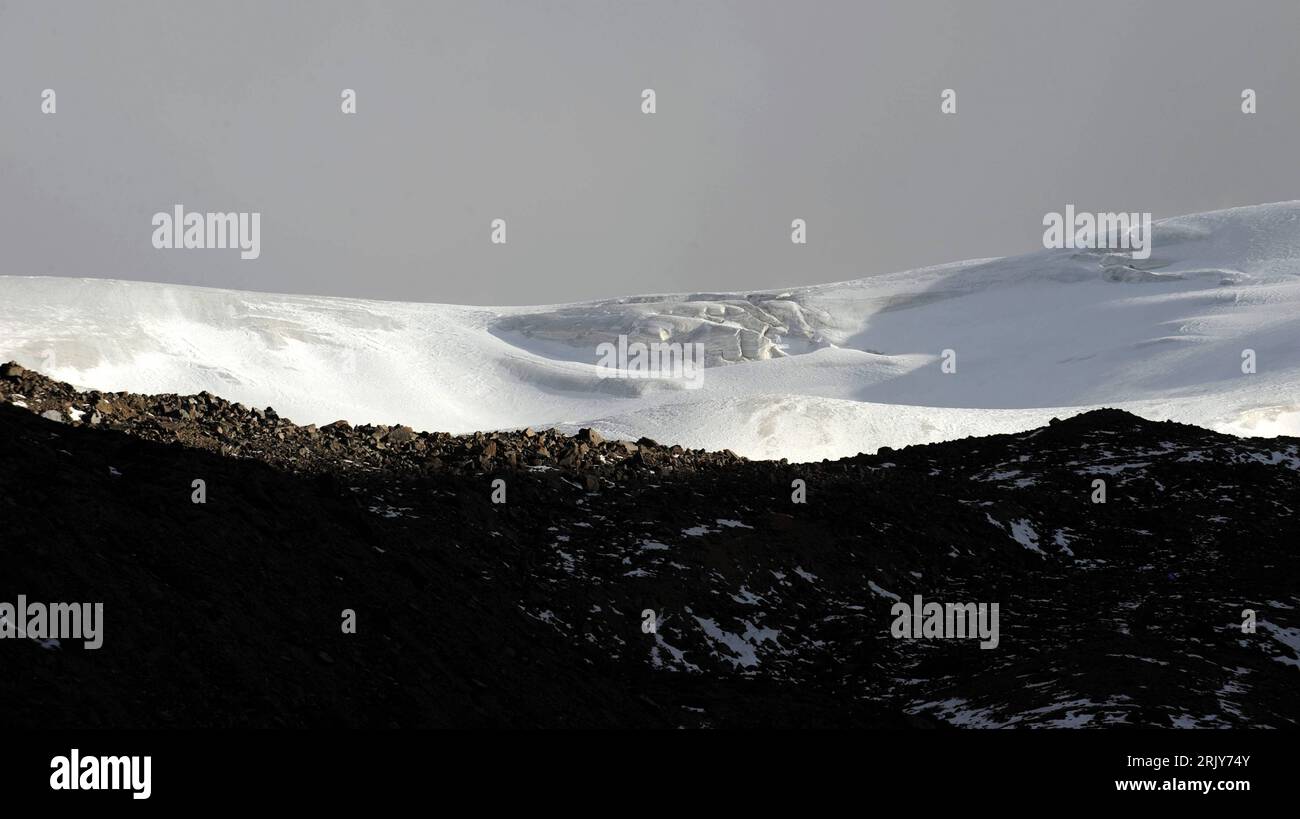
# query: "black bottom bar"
1002,768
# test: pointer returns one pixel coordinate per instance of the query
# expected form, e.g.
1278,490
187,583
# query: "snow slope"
806,373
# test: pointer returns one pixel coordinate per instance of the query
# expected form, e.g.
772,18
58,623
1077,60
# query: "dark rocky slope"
529,612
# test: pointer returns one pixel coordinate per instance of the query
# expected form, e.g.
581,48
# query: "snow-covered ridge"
803,373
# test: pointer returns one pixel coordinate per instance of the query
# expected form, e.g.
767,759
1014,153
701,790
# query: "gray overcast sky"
530,111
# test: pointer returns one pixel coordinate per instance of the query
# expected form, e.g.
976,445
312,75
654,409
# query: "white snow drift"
806,373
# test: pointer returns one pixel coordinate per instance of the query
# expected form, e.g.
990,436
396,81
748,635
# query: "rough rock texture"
205,421
530,612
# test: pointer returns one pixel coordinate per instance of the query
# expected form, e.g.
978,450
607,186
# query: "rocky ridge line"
209,422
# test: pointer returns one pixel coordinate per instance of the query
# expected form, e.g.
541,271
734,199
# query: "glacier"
803,373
